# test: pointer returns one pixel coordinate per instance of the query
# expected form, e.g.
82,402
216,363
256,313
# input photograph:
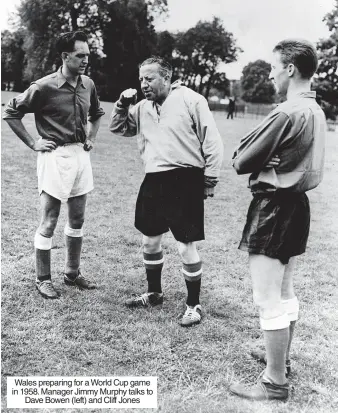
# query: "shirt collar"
309,94
62,80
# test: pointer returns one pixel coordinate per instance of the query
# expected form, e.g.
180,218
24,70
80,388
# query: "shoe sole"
142,306
70,284
190,325
47,296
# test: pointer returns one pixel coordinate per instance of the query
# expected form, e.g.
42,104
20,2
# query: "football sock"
276,342
42,246
42,261
153,264
192,274
73,240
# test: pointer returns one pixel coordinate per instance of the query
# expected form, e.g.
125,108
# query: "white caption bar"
82,392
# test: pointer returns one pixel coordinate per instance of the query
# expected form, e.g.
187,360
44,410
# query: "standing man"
182,153
231,108
278,219
61,103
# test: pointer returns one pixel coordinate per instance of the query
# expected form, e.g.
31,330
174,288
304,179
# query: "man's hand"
44,145
128,97
273,162
209,192
88,145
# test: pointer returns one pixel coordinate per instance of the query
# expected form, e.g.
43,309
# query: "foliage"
326,84
200,51
121,34
257,88
12,59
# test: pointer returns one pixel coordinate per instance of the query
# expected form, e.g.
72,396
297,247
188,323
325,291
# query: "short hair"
299,52
166,69
66,41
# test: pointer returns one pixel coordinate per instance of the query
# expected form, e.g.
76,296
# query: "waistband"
279,193
69,143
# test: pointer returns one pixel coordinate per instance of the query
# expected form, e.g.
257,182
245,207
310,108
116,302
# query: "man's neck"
295,88
72,79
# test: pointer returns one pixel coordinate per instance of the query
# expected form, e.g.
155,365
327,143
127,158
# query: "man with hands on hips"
62,102
182,153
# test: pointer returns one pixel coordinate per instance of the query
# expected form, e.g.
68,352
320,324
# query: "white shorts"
65,172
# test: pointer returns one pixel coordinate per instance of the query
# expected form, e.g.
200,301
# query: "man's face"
77,60
154,86
280,74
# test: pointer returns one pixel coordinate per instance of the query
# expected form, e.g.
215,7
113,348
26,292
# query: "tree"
326,84
12,59
257,88
121,34
199,52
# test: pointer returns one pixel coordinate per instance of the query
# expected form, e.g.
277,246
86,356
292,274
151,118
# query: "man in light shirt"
182,153
278,219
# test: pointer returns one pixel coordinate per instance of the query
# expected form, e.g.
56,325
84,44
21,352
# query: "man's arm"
260,145
212,145
26,102
94,119
93,127
123,119
21,132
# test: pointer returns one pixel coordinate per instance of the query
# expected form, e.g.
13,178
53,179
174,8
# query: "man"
61,103
182,153
231,108
278,219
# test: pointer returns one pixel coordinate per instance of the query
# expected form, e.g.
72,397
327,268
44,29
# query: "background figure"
61,103
278,219
231,108
182,153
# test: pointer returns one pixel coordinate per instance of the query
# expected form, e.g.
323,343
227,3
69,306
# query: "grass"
93,334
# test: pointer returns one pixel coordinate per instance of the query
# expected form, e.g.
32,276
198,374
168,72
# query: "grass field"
93,334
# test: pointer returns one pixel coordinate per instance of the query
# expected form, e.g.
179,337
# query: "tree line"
122,34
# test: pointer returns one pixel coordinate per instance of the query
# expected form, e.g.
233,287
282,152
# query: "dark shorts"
277,225
172,200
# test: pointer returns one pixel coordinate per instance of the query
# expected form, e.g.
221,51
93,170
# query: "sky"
257,25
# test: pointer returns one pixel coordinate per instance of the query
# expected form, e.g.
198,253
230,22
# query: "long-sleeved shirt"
294,130
61,111
180,133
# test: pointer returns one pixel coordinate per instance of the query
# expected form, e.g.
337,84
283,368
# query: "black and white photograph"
169,204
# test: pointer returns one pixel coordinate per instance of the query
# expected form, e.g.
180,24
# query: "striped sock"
192,274
153,264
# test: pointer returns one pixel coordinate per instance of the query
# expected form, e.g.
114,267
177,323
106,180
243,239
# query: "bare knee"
48,225
188,252
151,245
76,222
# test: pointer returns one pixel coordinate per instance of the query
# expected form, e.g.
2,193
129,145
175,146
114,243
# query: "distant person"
231,108
182,152
278,220
61,103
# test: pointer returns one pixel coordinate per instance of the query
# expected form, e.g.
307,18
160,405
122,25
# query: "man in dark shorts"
182,153
278,219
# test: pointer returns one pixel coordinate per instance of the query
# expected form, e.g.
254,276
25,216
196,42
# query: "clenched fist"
128,97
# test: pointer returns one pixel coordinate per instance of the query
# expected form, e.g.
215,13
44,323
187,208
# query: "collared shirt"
61,111
181,134
295,130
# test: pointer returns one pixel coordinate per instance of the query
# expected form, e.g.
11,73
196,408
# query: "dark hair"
66,41
299,52
166,69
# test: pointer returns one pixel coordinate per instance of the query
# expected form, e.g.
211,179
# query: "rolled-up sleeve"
123,121
258,146
26,102
210,138
95,110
